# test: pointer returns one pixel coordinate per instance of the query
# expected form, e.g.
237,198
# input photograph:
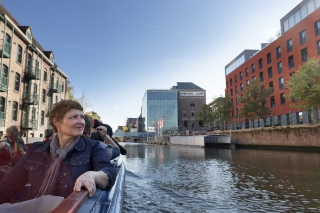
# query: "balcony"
6,50
53,68
55,88
29,124
32,47
33,73
31,99
3,84
2,118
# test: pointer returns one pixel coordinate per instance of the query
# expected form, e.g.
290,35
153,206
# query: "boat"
78,202
103,201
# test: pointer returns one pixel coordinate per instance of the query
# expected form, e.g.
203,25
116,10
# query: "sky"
114,50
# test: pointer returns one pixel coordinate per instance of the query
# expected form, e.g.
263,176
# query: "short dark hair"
60,109
48,133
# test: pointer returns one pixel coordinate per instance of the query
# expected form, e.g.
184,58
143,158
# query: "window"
318,47
317,27
241,87
29,62
240,76
247,72
185,123
247,82
260,63
290,61
62,87
303,37
236,100
57,99
19,54
278,50
230,82
271,86
304,55
2,105
282,99
236,90
281,83
272,102
14,111
252,68
231,92
192,125
42,117
268,58
192,104
261,76
235,79
8,39
289,45
17,82
45,75
192,113
4,75
270,72
253,77
227,84
201,123
43,98
184,114
279,67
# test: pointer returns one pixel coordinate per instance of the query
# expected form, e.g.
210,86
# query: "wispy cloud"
173,31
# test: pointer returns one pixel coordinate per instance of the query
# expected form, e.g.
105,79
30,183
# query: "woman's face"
15,132
72,123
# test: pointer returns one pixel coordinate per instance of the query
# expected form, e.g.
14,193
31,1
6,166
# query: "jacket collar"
46,146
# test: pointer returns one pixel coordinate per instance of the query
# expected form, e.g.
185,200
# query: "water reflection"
187,179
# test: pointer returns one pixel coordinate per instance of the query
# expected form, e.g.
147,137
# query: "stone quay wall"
304,136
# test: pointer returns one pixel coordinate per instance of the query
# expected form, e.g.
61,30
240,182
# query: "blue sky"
114,50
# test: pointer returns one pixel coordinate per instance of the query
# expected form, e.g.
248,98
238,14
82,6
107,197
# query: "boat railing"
72,203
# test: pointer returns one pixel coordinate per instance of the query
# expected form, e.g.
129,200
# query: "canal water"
192,179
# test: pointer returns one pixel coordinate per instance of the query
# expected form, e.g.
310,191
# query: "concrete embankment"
157,142
298,137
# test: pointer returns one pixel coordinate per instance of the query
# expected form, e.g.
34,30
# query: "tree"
125,129
304,85
254,100
204,114
223,108
83,100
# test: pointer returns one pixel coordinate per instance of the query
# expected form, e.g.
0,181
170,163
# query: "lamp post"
272,118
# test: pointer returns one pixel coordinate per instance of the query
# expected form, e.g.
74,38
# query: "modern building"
173,109
30,80
276,62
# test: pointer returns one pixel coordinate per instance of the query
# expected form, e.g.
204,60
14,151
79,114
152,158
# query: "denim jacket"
87,155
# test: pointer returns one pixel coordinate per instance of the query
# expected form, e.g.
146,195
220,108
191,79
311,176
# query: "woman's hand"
4,146
86,180
102,131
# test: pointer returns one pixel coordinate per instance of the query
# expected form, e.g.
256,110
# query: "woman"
48,134
17,146
5,159
111,148
62,165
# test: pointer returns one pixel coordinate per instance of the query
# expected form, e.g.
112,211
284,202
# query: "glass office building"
160,110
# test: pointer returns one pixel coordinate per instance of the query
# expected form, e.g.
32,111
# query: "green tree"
222,110
254,100
304,85
125,129
83,100
204,114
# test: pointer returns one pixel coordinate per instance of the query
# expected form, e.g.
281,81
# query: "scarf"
58,155
17,150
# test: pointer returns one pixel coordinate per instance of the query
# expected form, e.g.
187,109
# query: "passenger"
48,134
5,159
62,165
107,144
96,135
17,146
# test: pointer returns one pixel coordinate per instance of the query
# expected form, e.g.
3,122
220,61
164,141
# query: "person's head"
12,131
48,133
109,129
66,117
96,123
88,126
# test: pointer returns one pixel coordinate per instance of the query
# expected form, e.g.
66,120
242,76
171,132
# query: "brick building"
274,64
30,80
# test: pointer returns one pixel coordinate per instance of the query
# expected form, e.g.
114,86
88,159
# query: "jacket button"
65,186
65,174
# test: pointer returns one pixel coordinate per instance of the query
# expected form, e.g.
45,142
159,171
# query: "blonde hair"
8,131
89,123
